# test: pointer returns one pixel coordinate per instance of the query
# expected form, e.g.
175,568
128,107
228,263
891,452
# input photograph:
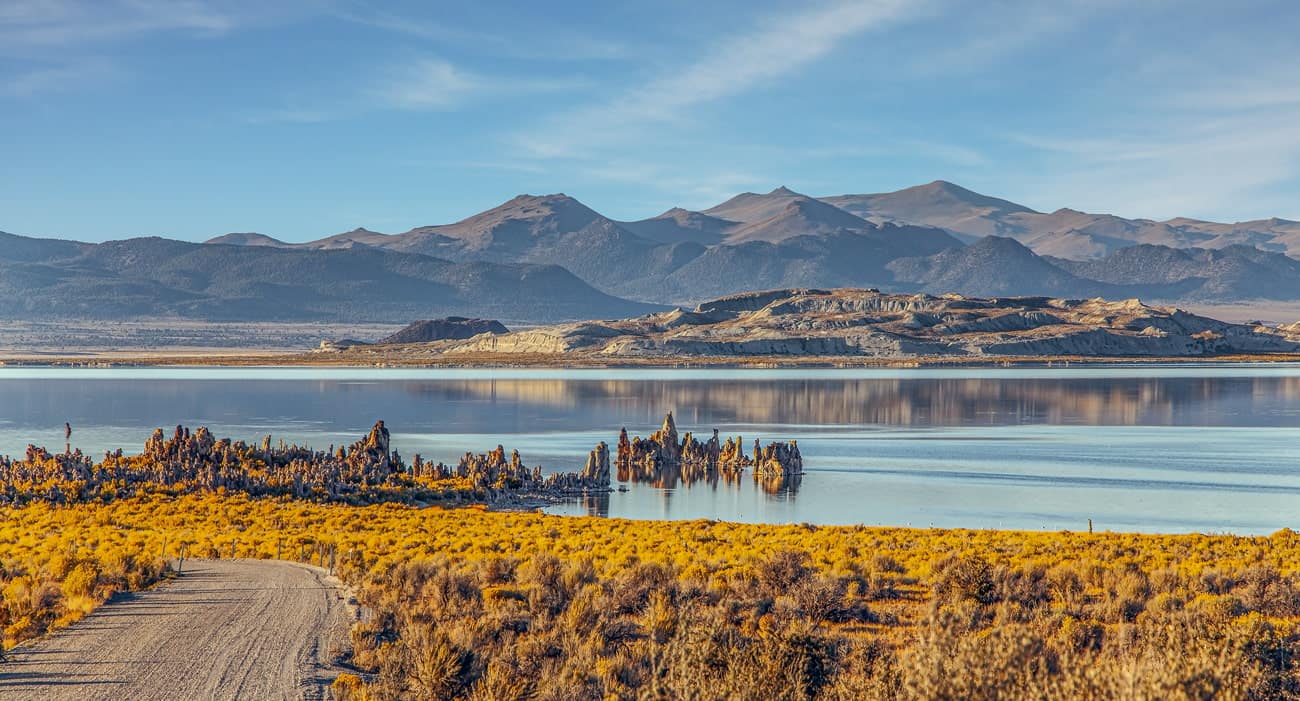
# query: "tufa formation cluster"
492,473
370,470
648,459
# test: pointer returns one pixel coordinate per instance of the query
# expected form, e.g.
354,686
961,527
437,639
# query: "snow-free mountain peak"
800,216
679,225
750,207
248,239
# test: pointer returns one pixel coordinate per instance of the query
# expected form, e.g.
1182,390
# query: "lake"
1209,448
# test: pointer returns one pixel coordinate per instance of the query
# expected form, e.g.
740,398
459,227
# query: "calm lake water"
1209,448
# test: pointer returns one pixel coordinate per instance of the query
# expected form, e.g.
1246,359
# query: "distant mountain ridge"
774,239
551,257
1064,233
909,240
964,214
153,277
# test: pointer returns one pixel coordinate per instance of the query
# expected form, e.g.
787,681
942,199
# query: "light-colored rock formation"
663,460
499,477
190,462
338,345
369,469
777,460
597,469
868,323
197,461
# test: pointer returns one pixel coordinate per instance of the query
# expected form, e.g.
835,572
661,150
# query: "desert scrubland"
464,603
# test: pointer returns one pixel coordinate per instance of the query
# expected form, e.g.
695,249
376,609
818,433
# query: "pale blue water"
1208,448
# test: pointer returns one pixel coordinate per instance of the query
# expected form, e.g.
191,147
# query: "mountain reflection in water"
900,402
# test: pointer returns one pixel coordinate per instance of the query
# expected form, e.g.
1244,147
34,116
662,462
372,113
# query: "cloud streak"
1205,167
38,81
60,45
1216,146
429,84
426,84
777,47
439,85
60,23
550,43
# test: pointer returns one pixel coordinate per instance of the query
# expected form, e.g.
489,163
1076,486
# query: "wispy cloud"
58,23
428,84
1238,92
49,79
61,45
551,43
1214,165
776,47
1214,140
436,84
419,84
291,115
995,31
502,166
696,189
952,154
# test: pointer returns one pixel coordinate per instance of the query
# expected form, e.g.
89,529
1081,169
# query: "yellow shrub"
838,610
81,580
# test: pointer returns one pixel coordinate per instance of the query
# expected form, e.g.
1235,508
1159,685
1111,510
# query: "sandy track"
226,629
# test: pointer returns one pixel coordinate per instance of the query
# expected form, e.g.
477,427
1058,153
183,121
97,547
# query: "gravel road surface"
226,629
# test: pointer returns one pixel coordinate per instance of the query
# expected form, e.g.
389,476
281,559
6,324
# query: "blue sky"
300,119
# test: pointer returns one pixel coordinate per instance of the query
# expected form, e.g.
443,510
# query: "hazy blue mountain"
678,257
249,239
940,203
24,249
993,266
154,277
679,225
1234,272
1064,233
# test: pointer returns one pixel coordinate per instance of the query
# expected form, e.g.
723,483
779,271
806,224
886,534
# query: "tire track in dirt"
225,629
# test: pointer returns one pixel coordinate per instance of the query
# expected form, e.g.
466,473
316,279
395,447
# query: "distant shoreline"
262,358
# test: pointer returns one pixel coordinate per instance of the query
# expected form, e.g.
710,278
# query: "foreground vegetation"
472,604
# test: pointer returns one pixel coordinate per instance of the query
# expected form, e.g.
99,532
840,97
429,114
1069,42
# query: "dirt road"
226,629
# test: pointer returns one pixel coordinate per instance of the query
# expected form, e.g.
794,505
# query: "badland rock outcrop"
865,322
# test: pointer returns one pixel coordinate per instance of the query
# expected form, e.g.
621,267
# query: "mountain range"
43,279
551,257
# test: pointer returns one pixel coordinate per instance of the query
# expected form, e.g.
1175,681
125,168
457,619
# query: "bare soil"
224,629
